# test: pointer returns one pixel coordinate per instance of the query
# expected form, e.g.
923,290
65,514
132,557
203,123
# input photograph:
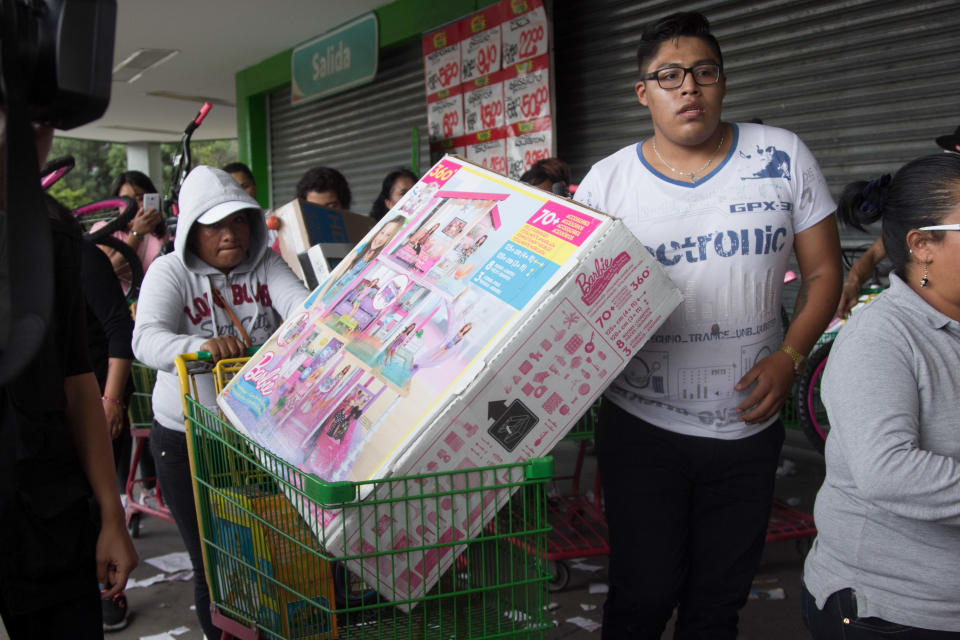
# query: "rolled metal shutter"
867,84
364,133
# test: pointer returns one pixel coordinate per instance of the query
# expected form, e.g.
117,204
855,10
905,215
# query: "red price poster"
445,115
524,30
480,47
441,58
528,142
453,147
482,106
526,90
489,150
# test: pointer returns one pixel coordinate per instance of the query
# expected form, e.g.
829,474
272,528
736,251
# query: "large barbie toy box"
472,327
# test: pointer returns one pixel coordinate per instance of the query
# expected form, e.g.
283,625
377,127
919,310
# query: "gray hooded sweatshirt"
177,312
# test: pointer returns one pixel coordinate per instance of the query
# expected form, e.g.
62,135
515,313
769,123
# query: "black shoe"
114,612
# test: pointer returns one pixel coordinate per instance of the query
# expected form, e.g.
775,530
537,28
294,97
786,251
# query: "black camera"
65,50
56,61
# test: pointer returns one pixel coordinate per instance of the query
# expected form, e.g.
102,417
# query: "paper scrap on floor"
171,562
585,623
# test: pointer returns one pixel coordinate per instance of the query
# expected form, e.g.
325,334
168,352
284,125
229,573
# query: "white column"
145,157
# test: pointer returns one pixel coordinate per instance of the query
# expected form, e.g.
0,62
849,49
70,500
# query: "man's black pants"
687,517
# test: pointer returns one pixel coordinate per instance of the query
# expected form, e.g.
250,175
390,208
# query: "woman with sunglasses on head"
885,562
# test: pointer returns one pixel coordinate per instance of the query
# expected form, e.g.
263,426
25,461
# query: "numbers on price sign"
623,347
530,41
486,58
530,103
489,114
450,121
448,73
496,164
533,156
441,173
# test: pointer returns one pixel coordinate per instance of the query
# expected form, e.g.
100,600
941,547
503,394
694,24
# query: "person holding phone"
146,233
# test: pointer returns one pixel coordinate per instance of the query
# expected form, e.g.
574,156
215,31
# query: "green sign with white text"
336,61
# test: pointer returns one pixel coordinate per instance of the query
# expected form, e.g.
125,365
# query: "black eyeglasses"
672,77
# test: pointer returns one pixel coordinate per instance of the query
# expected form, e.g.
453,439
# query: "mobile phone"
151,201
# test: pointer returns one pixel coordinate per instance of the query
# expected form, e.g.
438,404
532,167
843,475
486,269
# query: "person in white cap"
221,290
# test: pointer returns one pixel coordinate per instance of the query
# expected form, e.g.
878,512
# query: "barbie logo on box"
592,284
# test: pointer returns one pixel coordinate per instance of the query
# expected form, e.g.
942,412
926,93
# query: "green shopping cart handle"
206,355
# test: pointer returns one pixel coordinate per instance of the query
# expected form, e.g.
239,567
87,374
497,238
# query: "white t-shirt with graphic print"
725,242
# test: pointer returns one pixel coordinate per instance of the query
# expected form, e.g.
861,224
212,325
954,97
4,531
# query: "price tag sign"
441,59
527,96
480,47
445,117
491,154
524,34
483,108
527,143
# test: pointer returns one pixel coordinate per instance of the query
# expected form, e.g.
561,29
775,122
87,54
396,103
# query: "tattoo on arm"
801,301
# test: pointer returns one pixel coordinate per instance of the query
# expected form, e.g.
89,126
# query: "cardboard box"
309,234
241,535
471,327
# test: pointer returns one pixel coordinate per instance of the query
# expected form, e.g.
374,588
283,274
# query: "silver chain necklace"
690,174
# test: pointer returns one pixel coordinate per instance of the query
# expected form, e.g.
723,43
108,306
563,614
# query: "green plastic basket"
267,569
141,407
586,426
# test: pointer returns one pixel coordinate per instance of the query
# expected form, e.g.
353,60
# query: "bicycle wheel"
811,413
116,212
131,276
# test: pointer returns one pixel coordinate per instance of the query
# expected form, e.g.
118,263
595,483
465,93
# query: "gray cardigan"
888,512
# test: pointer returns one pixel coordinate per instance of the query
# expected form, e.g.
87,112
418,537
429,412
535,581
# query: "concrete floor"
160,611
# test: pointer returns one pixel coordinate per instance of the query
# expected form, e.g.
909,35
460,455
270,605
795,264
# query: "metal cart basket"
272,576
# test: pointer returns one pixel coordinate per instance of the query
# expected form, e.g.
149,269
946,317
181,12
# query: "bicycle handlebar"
54,170
197,121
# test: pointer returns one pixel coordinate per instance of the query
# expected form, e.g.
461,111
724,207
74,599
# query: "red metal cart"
141,419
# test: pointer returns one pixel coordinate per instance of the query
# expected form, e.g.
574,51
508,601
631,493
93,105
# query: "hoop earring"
924,281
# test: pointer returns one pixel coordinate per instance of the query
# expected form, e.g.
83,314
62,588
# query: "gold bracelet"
799,360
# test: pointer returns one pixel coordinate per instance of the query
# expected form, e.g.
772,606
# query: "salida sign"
336,61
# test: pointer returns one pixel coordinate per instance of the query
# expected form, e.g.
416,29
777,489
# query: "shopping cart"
578,526
141,419
271,576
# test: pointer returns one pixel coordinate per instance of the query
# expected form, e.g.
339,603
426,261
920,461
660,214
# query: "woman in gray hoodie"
220,291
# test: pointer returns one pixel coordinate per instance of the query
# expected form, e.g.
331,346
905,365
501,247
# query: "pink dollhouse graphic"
402,308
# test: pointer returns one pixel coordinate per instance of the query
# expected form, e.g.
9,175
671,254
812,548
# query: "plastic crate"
269,572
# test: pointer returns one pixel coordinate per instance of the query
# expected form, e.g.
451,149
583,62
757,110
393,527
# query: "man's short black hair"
683,23
322,179
239,167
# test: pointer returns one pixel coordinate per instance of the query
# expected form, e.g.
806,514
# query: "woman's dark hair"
325,179
239,167
133,178
684,23
922,193
379,208
549,169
